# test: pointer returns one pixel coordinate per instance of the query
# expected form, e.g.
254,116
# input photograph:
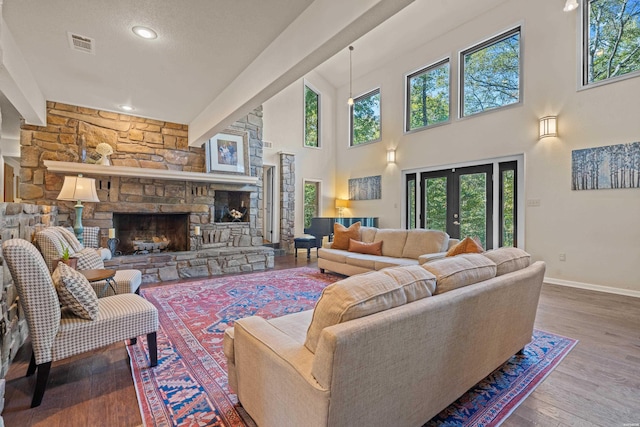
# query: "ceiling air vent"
81,43
267,144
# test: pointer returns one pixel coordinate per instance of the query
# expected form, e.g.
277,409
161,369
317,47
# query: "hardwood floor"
597,384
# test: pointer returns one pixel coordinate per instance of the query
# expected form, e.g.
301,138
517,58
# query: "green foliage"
492,76
310,202
614,38
366,118
429,97
473,206
411,195
311,118
436,200
508,207
65,251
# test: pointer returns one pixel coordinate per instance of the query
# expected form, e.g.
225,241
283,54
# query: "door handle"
456,222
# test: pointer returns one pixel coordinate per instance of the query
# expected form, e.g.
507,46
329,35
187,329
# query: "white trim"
423,70
592,287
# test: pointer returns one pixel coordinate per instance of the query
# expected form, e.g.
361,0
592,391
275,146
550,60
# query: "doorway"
269,203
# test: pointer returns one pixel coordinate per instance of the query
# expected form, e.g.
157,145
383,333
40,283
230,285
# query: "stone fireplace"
151,233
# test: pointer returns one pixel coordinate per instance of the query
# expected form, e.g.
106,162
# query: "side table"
99,275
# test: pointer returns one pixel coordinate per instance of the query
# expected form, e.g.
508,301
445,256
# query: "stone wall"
136,142
287,200
16,221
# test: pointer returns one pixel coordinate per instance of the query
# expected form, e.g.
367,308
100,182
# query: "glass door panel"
435,196
473,206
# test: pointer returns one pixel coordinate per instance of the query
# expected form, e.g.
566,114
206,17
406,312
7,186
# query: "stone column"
287,200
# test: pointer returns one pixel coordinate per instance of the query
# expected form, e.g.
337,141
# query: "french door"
459,201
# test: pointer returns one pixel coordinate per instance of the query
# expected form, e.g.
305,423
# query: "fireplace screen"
151,233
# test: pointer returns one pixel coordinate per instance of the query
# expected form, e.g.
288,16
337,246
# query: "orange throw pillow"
342,234
373,248
466,246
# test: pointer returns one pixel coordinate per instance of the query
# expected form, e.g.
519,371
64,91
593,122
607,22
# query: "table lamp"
78,189
340,205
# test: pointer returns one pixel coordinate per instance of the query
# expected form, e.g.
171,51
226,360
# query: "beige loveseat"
378,350
399,247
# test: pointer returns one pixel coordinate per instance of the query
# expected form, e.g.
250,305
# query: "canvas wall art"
613,166
367,188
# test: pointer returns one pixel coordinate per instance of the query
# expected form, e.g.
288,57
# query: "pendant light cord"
350,76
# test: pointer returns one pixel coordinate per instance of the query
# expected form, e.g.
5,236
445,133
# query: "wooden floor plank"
598,383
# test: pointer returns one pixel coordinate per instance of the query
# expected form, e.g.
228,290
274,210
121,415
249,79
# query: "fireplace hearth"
146,233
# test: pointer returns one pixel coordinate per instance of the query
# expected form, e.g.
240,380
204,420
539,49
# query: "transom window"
428,96
311,117
611,40
365,118
490,74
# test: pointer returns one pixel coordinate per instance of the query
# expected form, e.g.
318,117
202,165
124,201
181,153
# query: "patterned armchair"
59,333
50,241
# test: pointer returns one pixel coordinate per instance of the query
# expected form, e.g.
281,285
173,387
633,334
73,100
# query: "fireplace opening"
151,233
232,206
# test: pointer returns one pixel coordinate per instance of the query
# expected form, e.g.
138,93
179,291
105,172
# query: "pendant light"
350,100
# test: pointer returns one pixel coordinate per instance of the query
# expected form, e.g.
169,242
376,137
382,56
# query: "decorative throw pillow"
89,259
91,237
457,272
75,292
466,246
368,293
342,234
374,248
509,260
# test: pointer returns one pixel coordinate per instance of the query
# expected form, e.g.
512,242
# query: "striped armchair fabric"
50,241
57,334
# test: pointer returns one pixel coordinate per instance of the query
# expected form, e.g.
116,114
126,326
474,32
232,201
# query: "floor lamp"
78,189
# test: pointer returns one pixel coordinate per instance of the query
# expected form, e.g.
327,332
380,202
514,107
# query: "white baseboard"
591,287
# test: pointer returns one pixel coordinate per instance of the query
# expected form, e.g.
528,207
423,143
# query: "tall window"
428,96
611,39
507,204
365,118
311,201
311,117
490,74
411,201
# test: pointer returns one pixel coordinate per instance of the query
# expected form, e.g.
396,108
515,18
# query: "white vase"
104,160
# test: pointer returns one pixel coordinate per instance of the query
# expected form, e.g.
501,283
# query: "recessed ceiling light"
144,32
126,107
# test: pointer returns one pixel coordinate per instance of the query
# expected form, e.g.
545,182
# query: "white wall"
598,230
283,117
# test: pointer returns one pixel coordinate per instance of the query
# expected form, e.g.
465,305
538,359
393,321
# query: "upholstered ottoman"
306,241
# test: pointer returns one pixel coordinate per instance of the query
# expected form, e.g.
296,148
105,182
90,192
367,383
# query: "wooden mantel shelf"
172,175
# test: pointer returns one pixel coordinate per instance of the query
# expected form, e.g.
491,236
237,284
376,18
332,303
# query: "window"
311,117
507,204
311,201
428,96
411,201
490,74
365,118
611,39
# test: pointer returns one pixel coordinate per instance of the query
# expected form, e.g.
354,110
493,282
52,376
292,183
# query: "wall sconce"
340,205
548,126
570,5
391,155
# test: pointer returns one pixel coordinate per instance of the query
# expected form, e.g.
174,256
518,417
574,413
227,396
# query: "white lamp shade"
78,188
342,203
548,126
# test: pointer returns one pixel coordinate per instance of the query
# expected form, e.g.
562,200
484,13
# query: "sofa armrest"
430,257
273,374
327,245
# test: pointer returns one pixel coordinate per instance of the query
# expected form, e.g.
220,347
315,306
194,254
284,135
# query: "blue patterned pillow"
75,292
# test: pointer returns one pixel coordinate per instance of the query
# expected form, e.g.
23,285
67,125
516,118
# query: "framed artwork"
228,152
613,166
367,188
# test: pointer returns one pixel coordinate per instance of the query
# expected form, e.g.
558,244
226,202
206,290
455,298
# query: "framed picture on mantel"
228,152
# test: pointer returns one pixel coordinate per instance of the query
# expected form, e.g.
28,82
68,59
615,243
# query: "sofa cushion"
335,255
366,294
368,234
394,240
342,234
75,292
420,242
508,260
362,260
463,270
387,261
373,248
466,246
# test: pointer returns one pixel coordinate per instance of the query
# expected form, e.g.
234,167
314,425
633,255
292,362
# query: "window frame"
306,85
318,185
501,36
351,108
583,53
407,95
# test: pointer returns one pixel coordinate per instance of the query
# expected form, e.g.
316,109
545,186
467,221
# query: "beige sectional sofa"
379,350
399,247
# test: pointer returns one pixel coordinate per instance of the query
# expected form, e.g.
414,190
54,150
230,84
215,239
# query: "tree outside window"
365,118
311,201
612,39
311,117
428,96
491,74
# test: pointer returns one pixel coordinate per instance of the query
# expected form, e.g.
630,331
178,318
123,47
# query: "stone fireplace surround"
141,144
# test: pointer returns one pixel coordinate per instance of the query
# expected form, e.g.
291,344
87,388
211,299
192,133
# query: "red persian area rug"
189,385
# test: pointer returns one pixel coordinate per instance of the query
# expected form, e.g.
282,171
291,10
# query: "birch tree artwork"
614,166
368,188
